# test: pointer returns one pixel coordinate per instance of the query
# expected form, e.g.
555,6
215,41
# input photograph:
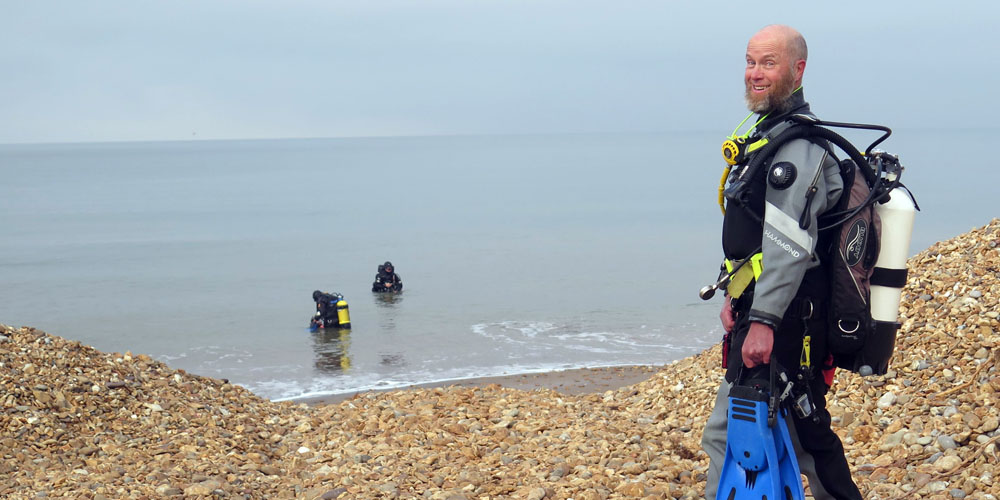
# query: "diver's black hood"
797,105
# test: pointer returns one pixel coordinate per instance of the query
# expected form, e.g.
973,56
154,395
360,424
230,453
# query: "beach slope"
82,423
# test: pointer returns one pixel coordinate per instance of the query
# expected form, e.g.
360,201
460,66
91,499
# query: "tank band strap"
893,278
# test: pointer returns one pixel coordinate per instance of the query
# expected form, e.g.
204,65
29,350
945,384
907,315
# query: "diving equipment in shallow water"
343,314
331,311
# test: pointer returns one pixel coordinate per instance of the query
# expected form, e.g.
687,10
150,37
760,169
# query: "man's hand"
758,345
728,322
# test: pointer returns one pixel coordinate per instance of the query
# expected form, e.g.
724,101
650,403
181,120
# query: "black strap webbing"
893,278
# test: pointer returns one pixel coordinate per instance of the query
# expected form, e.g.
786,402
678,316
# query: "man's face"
770,74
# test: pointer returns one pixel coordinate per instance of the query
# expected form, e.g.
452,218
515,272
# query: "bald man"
776,228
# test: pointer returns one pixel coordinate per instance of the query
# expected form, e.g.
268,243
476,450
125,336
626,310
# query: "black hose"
811,132
864,126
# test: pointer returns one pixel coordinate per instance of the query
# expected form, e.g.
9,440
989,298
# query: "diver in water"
331,311
387,280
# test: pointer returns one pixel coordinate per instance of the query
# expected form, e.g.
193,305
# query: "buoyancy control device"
866,237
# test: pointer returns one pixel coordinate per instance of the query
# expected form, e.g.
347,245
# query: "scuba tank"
890,269
889,276
343,314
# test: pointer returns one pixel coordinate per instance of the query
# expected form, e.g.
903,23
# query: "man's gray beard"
769,104
772,104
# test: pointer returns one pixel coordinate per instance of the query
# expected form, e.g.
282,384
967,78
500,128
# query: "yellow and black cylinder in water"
343,314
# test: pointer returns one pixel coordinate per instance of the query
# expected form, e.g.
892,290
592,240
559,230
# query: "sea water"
518,254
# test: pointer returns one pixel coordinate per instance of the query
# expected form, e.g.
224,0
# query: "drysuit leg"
713,439
816,443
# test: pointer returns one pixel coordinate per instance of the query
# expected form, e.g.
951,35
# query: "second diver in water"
387,280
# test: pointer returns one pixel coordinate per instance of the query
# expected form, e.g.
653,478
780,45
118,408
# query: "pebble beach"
79,423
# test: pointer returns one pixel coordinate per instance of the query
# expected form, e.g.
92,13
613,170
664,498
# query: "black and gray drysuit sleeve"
788,249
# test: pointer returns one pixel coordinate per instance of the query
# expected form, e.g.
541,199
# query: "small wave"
505,330
542,336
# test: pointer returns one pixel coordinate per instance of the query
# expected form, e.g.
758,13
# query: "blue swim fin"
760,460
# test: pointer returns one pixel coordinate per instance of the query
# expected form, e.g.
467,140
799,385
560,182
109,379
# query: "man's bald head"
793,41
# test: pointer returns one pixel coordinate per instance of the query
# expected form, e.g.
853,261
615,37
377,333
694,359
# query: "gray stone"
558,472
203,488
946,442
895,438
334,494
536,494
936,486
886,401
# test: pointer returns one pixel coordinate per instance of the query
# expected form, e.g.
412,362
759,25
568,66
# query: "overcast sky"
176,70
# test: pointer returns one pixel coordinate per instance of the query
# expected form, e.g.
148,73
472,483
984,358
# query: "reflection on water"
388,299
332,348
393,359
387,302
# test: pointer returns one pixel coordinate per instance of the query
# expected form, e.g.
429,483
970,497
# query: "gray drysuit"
789,296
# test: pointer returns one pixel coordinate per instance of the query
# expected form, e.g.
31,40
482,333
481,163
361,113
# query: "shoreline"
79,422
574,381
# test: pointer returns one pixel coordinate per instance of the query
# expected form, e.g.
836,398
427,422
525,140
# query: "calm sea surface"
518,253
